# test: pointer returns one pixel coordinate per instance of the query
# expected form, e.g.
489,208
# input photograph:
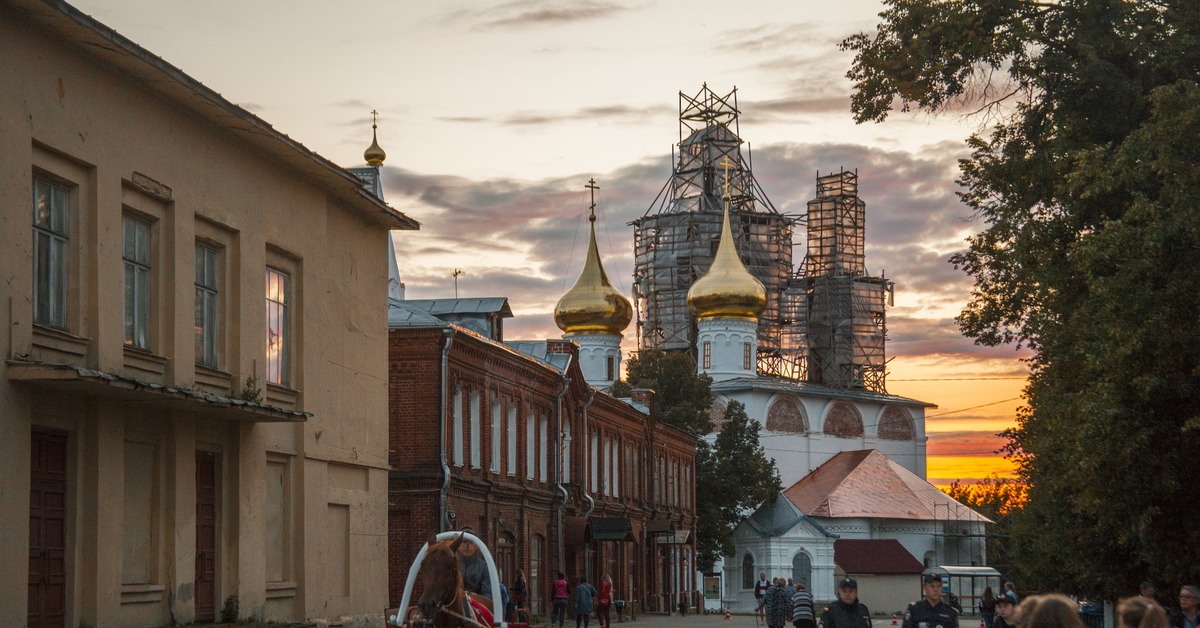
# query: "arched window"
802,569
895,424
536,579
843,421
786,416
503,555
748,572
716,413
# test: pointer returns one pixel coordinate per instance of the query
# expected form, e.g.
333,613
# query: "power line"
930,416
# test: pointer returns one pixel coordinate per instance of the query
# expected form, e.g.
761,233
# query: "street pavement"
650,620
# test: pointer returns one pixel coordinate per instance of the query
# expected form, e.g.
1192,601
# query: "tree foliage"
1088,182
733,473
998,499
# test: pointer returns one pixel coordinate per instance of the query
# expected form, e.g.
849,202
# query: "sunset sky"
495,114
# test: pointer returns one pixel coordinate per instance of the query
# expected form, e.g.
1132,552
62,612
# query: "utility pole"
457,273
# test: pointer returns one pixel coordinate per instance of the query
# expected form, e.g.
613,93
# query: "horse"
443,602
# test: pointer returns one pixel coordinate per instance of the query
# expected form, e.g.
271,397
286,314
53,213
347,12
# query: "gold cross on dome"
726,163
374,118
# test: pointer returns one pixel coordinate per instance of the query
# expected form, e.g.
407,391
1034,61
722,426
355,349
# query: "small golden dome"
374,154
727,290
592,305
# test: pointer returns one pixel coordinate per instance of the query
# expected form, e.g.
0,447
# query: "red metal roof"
867,483
874,556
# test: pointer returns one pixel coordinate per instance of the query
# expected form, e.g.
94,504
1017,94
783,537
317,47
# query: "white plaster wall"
594,351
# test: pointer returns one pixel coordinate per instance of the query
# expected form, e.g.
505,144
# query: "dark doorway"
47,530
206,536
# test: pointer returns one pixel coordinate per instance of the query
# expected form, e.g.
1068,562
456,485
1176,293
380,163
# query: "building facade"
509,441
194,391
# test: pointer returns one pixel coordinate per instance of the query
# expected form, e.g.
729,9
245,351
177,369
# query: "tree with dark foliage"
733,473
1088,183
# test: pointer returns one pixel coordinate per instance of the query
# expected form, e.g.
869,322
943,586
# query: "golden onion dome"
727,290
592,305
374,154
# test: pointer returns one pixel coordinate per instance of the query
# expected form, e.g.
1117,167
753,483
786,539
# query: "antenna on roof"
457,272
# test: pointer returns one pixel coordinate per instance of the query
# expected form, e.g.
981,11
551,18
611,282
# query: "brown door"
47,530
206,536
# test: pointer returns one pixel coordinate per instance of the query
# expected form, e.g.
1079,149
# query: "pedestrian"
1140,612
1147,589
803,613
558,600
930,611
777,606
847,611
585,596
1189,607
520,589
790,588
760,589
1005,613
604,601
1049,611
1010,590
987,606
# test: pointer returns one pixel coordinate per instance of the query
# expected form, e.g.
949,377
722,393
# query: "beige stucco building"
193,397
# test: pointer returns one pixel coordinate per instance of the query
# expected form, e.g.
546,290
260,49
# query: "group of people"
583,598
782,601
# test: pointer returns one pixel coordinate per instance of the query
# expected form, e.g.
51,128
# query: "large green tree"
733,474
1086,177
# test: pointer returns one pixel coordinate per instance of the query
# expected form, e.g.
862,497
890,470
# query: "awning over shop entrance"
611,529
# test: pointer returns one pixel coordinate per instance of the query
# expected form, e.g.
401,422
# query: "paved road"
646,620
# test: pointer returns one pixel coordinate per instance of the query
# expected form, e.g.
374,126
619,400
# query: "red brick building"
511,442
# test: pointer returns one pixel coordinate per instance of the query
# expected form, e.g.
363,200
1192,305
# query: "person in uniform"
847,611
1005,609
930,611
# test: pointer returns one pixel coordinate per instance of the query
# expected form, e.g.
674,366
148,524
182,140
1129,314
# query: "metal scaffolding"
845,321
676,240
825,323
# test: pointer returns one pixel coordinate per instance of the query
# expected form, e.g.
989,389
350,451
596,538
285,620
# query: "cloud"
525,239
600,115
533,13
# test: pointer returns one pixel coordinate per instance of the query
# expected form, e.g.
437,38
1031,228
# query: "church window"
843,421
746,353
802,569
748,572
786,416
896,424
707,355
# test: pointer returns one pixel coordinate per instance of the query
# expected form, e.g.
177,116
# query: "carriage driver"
474,570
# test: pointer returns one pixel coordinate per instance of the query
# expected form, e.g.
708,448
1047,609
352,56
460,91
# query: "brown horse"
443,602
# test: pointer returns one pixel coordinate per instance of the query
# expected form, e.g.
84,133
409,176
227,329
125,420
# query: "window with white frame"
707,355
595,459
456,427
279,327
207,289
135,256
530,444
511,467
51,214
494,463
566,451
476,427
544,441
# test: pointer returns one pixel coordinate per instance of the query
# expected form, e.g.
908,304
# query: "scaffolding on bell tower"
675,241
840,310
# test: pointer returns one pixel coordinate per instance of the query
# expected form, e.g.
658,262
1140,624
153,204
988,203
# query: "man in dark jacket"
930,611
847,612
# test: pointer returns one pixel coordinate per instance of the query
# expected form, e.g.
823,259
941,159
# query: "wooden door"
206,536
47,530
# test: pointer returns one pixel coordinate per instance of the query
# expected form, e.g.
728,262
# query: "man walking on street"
776,605
847,612
931,611
803,613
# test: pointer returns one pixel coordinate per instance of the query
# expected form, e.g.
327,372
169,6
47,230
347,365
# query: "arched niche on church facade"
843,421
786,415
896,424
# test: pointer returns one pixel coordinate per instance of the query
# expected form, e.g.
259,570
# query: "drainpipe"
448,333
587,449
587,556
558,471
